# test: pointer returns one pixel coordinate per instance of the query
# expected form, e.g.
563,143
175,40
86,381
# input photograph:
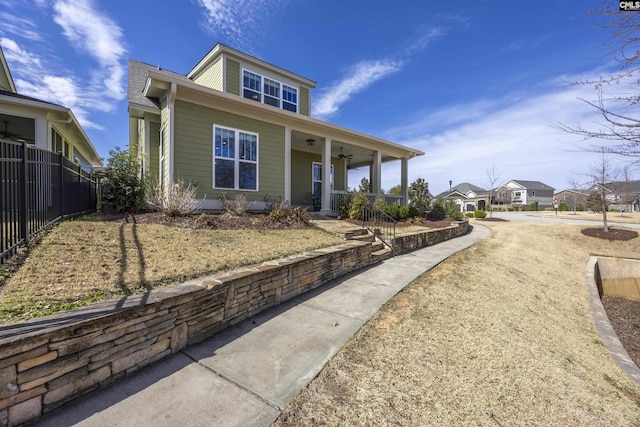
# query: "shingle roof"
533,185
463,189
138,73
629,186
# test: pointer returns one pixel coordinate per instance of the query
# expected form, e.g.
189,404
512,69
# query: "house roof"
629,186
462,190
532,185
137,81
18,97
6,81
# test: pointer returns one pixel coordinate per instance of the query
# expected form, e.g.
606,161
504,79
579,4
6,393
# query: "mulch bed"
254,221
624,316
493,219
612,234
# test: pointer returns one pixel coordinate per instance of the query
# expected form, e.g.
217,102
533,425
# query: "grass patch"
499,334
86,261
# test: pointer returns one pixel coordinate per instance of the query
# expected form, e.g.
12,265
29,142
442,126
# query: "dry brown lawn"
80,262
613,217
500,334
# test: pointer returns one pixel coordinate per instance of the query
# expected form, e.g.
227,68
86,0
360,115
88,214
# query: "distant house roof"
532,185
628,186
462,189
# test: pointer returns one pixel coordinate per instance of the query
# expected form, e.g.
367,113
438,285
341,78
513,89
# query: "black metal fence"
37,188
381,225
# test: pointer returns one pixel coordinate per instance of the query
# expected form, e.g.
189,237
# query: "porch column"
287,164
404,180
325,203
376,185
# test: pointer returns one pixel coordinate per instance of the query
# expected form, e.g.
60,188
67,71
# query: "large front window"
235,162
269,91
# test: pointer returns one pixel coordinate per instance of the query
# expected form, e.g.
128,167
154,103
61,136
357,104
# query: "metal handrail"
381,225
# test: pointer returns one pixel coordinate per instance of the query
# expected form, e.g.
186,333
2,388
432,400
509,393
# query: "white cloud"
365,73
519,137
361,76
97,35
240,22
12,24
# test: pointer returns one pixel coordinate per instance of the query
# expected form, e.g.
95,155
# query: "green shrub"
479,214
380,204
533,206
283,212
436,213
469,214
358,202
579,207
510,209
123,187
564,206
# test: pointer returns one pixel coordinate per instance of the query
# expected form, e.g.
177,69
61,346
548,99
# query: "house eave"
212,98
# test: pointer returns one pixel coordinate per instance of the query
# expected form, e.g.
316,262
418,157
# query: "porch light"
311,142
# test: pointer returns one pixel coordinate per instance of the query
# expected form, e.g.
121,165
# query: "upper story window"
269,91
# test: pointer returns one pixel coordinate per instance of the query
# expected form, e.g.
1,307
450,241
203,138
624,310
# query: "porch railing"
381,225
339,198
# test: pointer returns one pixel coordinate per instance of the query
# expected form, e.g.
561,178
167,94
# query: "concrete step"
381,254
354,232
377,245
364,238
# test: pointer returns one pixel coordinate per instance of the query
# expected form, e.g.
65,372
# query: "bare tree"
576,193
623,189
600,173
619,130
492,177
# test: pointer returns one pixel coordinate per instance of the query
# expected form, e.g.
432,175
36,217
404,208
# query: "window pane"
317,189
251,81
288,106
248,176
249,94
317,172
224,175
248,147
271,101
225,143
271,88
289,94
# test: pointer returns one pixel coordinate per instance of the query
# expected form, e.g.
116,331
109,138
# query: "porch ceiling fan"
344,156
349,167
6,134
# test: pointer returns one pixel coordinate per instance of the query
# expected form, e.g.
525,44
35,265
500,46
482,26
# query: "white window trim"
236,159
331,174
263,94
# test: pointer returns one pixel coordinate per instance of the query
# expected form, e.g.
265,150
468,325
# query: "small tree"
419,195
395,190
492,177
601,172
364,185
123,187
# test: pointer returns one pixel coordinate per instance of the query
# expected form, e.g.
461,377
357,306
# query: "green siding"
194,150
212,76
301,169
304,101
233,77
154,151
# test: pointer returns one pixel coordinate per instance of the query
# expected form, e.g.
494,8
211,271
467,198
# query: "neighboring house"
45,125
524,193
572,197
237,124
620,194
468,196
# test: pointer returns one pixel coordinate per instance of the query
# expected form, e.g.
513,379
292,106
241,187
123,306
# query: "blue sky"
473,84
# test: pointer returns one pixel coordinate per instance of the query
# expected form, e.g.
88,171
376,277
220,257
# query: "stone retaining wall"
49,361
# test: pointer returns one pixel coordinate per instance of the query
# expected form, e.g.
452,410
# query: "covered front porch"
320,164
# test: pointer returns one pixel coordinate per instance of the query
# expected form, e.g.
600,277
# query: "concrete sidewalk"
246,374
